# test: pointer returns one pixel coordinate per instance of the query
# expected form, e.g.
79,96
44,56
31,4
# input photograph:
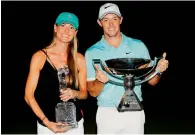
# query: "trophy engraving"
132,71
65,111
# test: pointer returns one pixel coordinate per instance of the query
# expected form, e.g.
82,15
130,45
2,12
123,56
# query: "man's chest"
122,52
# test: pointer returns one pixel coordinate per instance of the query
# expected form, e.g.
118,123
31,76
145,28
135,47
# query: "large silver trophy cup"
132,71
65,111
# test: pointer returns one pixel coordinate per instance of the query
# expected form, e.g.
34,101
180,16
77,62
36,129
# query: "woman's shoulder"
40,54
81,60
38,59
80,56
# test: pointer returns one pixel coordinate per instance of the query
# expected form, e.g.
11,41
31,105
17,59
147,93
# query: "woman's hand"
68,94
56,127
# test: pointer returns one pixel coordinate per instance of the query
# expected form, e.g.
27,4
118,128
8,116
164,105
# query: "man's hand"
162,64
100,75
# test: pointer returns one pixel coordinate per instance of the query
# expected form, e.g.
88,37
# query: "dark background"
163,26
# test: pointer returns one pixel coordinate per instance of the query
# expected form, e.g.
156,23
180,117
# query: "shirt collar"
106,46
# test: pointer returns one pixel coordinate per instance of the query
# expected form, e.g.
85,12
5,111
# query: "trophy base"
66,113
129,102
68,127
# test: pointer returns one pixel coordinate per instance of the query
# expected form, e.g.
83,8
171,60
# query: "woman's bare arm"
82,75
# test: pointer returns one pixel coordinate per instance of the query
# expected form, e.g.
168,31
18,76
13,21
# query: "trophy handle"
138,82
147,79
105,68
152,69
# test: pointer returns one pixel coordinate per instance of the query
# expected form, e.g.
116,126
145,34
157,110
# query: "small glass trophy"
65,111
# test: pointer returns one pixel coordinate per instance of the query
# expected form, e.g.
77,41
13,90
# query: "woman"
42,87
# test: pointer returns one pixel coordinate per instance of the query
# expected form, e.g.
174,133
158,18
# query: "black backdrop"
163,26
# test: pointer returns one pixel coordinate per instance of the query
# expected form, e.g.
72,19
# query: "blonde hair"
72,63
72,78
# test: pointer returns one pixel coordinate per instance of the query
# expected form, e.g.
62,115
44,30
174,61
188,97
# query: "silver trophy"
65,111
132,72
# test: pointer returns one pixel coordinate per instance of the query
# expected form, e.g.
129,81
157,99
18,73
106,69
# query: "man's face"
110,24
65,32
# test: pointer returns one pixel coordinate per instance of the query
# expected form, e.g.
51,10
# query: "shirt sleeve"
146,53
90,68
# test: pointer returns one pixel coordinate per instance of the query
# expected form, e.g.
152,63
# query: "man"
114,44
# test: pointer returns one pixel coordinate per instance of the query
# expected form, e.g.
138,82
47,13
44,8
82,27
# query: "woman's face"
65,32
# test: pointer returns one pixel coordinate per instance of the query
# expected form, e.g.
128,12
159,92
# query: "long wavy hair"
72,78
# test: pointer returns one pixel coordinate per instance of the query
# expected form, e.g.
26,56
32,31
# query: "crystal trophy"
65,111
132,72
